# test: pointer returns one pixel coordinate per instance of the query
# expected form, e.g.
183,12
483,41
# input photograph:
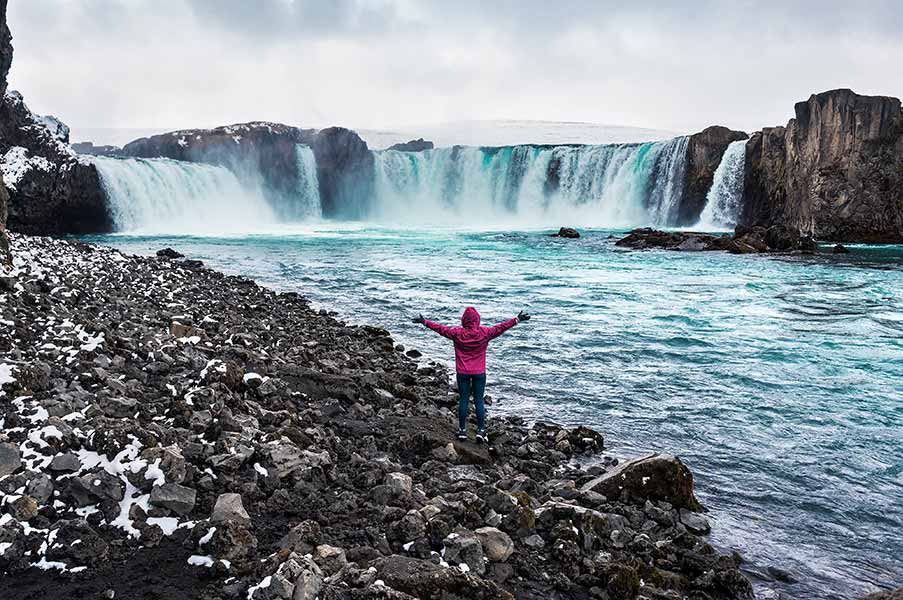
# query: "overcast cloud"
391,63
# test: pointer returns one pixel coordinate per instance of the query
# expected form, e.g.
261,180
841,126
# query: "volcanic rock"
418,145
230,508
704,152
656,477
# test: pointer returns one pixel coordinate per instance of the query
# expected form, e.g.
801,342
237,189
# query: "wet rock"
229,507
567,232
657,477
695,522
169,253
840,249
497,545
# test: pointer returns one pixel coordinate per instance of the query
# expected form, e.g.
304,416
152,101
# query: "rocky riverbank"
168,431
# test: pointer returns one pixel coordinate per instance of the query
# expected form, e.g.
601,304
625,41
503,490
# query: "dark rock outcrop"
418,145
6,48
567,232
267,153
745,240
256,152
6,59
704,152
92,150
660,477
345,172
46,189
835,172
896,594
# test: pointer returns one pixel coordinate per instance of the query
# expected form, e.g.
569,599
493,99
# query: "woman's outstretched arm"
437,327
504,326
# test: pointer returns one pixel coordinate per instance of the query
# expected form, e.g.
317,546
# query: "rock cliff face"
345,169
418,145
267,152
835,172
6,59
256,152
44,188
704,152
50,190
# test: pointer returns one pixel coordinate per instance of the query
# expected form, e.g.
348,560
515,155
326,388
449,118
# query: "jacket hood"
470,318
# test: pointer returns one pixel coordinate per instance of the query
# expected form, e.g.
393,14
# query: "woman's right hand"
418,319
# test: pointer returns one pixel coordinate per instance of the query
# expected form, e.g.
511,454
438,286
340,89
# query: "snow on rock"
16,163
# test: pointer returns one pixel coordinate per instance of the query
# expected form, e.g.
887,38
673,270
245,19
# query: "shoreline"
151,381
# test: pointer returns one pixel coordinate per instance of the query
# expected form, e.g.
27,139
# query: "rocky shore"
167,431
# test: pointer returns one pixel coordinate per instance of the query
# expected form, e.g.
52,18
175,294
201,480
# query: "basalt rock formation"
345,169
258,152
267,152
44,188
6,59
835,172
91,149
704,152
418,145
50,190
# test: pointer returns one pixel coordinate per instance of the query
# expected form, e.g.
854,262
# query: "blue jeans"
466,385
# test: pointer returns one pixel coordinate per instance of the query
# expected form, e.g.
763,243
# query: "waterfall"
723,200
163,195
307,201
608,185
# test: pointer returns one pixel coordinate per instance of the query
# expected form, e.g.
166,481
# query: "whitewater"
779,380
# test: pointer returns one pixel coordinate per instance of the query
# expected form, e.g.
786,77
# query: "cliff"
50,190
835,172
268,151
704,152
6,59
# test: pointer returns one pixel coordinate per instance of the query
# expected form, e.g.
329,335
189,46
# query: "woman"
471,341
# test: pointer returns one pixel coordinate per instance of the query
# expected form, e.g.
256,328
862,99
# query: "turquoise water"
779,380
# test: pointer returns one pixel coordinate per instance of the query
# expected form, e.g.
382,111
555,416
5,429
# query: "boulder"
169,253
465,548
330,558
567,232
840,249
399,483
497,545
65,463
228,508
76,544
424,579
654,477
177,498
10,459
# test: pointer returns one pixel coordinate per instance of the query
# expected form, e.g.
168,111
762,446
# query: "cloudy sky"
390,63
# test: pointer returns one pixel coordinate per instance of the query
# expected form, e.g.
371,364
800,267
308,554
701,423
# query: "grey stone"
399,483
177,498
10,460
65,463
229,507
497,545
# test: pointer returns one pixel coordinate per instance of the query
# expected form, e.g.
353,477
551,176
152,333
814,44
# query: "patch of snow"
207,536
200,561
265,583
260,469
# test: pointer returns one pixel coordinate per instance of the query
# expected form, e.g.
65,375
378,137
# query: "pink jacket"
471,340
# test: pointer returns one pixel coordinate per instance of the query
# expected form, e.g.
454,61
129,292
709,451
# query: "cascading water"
722,206
306,204
163,195
612,185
